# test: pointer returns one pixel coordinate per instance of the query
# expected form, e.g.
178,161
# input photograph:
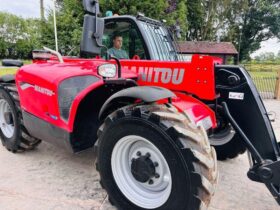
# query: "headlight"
69,89
107,70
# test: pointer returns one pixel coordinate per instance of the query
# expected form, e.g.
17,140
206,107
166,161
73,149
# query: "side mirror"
10,62
91,6
93,30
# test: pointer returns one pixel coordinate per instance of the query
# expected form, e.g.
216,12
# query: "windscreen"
160,42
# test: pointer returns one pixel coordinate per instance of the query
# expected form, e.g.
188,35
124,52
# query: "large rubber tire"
18,140
185,148
225,140
10,62
231,149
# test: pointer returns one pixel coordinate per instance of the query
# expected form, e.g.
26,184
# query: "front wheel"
152,157
224,139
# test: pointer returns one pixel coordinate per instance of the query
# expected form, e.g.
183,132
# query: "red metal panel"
194,108
196,78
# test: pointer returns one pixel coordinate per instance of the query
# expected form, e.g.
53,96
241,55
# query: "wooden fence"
277,87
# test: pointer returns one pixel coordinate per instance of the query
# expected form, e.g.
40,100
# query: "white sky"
31,8
24,8
272,45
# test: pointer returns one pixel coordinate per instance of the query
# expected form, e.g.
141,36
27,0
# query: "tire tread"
25,141
191,139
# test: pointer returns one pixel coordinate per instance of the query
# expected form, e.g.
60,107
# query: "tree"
176,15
18,36
265,56
69,27
70,19
246,23
257,22
209,19
126,7
173,11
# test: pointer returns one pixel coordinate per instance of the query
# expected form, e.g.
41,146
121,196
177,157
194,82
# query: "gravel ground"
51,179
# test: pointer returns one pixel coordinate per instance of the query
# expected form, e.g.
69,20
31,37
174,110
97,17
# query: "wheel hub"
8,118
143,168
141,172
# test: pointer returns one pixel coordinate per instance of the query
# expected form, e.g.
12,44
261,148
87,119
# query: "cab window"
132,40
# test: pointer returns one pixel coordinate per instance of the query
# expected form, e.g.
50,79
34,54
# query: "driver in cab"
116,50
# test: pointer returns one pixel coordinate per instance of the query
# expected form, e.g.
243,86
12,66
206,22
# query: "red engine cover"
38,83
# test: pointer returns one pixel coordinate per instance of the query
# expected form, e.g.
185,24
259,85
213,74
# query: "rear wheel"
225,140
13,135
152,157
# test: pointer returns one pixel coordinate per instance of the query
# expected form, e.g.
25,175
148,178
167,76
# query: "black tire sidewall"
232,148
13,142
180,191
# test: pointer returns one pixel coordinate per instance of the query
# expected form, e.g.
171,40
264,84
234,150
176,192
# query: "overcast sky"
272,45
24,8
31,8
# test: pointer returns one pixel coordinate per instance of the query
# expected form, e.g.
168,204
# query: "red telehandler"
152,118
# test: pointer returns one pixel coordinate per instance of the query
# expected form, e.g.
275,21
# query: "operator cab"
143,38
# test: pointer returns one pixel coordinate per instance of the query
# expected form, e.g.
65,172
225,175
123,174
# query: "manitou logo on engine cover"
44,91
163,75
160,75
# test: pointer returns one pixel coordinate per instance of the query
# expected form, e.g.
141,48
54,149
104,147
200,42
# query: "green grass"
25,62
265,84
264,81
11,70
264,76
262,67
5,70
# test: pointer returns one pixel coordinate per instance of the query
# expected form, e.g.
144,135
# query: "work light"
107,70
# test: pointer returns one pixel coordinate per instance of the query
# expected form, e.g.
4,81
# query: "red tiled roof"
203,47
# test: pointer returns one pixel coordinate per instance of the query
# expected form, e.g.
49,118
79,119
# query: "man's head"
117,41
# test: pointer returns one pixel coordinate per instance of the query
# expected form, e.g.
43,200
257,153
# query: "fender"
197,111
147,94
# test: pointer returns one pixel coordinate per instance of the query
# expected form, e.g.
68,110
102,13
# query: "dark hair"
116,35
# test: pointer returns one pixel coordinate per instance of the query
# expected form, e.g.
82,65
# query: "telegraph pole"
42,12
240,39
54,24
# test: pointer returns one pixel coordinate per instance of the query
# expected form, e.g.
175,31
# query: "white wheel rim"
7,129
144,195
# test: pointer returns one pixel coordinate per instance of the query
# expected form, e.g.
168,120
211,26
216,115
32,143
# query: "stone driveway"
51,179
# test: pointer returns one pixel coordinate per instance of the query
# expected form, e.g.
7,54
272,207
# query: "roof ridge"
207,47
